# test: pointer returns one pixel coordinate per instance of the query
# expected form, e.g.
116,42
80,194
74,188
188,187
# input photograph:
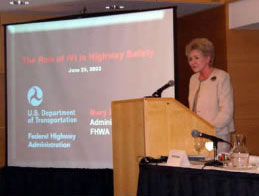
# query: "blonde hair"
204,45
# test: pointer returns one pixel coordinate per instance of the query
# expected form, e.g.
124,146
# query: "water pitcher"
239,153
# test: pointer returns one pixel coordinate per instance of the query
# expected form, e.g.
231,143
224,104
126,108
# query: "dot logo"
35,96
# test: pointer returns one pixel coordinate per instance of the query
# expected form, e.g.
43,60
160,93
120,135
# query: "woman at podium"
210,90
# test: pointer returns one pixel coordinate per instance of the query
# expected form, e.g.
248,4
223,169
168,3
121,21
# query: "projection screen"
63,75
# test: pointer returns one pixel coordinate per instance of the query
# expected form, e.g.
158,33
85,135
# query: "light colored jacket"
215,100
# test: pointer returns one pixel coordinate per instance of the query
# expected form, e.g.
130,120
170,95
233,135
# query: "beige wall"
239,16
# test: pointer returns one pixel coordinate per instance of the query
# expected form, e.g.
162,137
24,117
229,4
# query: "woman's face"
197,61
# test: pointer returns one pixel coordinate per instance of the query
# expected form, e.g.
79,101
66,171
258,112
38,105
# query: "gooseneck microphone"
196,133
159,91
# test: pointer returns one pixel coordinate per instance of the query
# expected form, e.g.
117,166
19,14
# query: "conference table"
162,180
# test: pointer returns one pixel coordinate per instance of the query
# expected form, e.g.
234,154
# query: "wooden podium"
149,127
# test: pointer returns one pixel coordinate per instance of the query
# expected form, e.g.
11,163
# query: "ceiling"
73,7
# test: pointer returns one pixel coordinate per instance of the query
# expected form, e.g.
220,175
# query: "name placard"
178,158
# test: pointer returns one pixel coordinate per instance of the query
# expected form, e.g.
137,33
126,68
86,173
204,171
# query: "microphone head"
170,82
195,133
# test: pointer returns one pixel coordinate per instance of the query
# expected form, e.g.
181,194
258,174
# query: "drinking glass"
198,144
